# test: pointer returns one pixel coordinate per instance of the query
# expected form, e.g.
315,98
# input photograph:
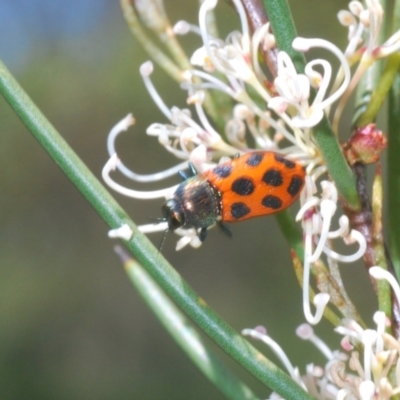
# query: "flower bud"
365,145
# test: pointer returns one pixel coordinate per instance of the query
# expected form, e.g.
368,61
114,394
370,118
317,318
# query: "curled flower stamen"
155,194
318,80
355,365
350,328
380,273
354,236
169,136
214,52
122,126
380,320
321,299
328,208
274,346
214,83
213,136
368,339
316,214
346,18
208,5
235,131
355,29
245,26
329,191
309,205
157,227
294,88
183,28
356,7
146,70
306,332
303,44
343,229
374,22
267,41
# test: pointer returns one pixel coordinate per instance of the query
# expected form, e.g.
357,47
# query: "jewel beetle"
253,184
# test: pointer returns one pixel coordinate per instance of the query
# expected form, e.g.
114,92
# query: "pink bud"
365,145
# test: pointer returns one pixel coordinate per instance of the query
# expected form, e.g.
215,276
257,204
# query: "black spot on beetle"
287,163
271,201
239,210
243,186
223,171
273,177
295,185
254,159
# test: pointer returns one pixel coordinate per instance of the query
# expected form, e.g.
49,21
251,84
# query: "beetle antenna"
163,240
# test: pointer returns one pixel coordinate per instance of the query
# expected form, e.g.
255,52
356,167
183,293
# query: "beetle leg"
225,229
183,175
192,170
202,234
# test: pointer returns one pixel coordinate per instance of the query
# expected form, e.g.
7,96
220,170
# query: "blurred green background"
71,325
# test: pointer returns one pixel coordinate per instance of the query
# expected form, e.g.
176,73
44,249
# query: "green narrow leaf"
185,333
393,172
393,168
383,287
382,86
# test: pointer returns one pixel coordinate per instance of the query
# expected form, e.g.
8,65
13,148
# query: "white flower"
347,375
316,214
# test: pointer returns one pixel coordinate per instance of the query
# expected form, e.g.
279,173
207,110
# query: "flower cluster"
287,130
276,116
360,370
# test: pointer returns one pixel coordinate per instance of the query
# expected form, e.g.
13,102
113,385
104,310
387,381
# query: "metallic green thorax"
194,204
